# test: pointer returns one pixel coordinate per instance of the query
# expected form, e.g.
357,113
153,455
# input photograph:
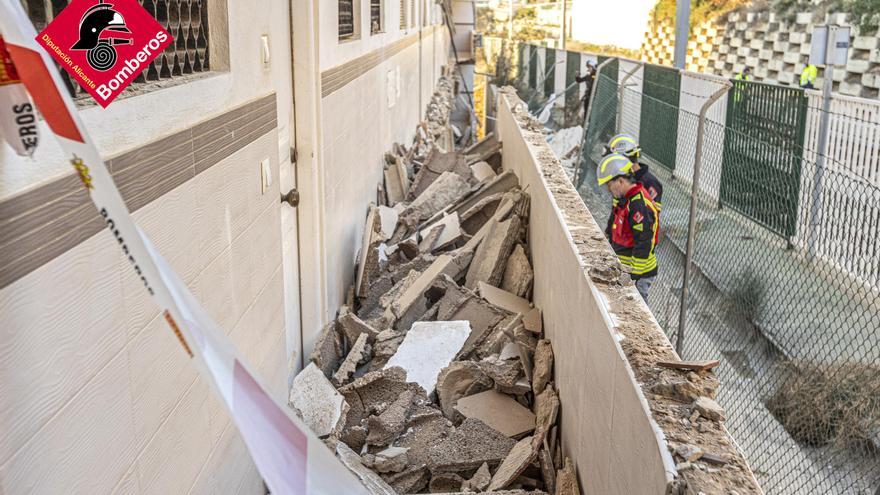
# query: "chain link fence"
797,329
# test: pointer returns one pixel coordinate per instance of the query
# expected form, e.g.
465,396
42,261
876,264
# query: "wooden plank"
690,365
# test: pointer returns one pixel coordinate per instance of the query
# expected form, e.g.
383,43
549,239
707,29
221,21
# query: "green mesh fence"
533,68
660,106
797,333
573,105
763,147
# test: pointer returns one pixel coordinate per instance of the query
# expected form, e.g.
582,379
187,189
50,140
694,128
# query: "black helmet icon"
95,21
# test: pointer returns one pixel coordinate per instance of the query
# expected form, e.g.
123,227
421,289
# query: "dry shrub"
837,405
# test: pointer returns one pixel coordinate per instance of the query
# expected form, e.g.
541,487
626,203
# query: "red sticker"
638,217
104,46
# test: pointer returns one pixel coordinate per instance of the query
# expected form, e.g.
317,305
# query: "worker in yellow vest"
808,75
745,75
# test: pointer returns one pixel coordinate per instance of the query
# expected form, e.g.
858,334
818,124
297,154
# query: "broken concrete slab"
446,190
384,428
353,327
434,167
412,302
709,409
371,252
482,171
518,274
387,342
548,472
393,185
430,238
491,255
505,207
387,222
509,351
360,353
372,481
315,400
533,322
566,479
413,480
460,379
327,353
478,215
468,447
542,371
546,411
479,481
503,299
450,233
428,347
699,366
501,184
499,411
445,483
422,432
390,460
519,458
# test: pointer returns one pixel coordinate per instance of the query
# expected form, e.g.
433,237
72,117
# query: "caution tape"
290,458
18,120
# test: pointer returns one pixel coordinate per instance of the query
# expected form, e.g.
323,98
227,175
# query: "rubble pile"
566,143
435,376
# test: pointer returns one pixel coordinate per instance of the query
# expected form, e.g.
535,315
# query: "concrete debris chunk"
468,447
368,267
500,184
327,352
445,483
483,171
316,401
393,185
503,299
435,166
372,481
423,431
428,348
413,480
431,237
519,458
387,222
490,257
509,351
507,204
499,411
359,354
479,215
688,452
542,373
384,428
532,321
390,460
353,327
447,189
460,379
479,481
412,302
566,480
545,462
546,410
709,409
503,373
518,274
450,233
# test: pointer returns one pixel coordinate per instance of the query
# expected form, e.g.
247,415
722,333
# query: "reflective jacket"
652,185
808,76
635,230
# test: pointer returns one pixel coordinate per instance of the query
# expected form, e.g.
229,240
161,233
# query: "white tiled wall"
98,396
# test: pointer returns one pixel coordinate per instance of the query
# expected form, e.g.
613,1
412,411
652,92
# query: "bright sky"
610,22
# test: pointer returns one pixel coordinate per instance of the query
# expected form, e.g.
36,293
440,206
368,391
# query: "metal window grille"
346,19
186,20
375,16
402,14
412,13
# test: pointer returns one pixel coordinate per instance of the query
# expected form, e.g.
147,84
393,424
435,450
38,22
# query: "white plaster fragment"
428,347
316,400
387,221
482,171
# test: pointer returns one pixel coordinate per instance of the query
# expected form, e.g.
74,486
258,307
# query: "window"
346,19
375,16
412,13
186,20
403,24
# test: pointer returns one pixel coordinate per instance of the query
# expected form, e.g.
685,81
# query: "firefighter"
626,145
809,74
587,79
635,225
745,75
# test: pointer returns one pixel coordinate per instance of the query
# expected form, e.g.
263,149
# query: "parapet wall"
616,424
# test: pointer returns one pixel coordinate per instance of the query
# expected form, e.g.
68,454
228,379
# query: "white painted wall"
98,396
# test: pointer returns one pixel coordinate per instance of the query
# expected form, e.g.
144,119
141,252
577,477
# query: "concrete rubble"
436,376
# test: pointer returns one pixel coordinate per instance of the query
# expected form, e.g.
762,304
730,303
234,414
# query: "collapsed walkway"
439,374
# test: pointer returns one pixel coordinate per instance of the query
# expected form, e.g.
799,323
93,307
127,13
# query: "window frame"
379,5
355,33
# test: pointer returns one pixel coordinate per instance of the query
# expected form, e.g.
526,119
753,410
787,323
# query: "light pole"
682,29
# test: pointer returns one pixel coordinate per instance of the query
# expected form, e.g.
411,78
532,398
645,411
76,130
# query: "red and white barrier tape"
290,458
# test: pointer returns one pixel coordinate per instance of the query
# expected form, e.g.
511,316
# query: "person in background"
635,226
745,75
587,79
809,74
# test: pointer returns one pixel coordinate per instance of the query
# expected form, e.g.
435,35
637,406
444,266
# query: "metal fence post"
619,126
692,217
592,95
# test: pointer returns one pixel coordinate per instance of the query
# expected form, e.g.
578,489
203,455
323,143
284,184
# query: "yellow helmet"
613,165
625,144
